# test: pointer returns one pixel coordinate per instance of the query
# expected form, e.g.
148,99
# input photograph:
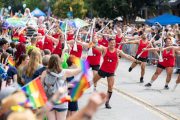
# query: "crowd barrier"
152,58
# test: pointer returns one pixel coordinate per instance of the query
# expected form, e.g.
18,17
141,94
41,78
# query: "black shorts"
178,71
141,59
95,67
160,66
73,106
104,74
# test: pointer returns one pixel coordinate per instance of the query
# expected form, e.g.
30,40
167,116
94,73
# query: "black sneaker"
141,80
130,69
166,87
148,85
108,106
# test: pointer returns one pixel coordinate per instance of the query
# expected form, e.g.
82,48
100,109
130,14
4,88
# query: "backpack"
52,82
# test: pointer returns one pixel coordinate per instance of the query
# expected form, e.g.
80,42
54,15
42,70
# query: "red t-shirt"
70,36
140,48
95,59
58,49
56,35
22,39
103,42
110,61
42,31
39,44
118,40
168,59
77,53
48,44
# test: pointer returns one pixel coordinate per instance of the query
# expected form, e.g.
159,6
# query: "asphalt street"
132,101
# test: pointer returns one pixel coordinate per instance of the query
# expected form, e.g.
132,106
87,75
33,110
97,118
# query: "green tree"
1,4
32,4
129,9
62,7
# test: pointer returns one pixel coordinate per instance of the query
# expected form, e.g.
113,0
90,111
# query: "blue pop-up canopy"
165,19
37,13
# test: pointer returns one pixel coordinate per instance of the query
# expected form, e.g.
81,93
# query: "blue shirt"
12,71
38,72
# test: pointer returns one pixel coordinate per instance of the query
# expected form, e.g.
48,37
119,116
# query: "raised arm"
151,49
72,72
131,42
53,39
176,48
132,38
101,48
122,54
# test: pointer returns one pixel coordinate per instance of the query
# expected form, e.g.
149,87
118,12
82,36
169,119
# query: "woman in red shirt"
103,42
143,43
70,35
41,30
167,63
109,65
119,38
49,42
22,38
58,49
77,53
39,43
177,49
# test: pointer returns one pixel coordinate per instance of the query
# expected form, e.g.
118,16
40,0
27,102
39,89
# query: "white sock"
151,81
167,83
175,86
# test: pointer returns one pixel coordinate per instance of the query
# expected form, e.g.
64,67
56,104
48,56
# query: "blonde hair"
34,61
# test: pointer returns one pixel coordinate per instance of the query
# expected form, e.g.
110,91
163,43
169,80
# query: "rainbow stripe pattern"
64,99
15,38
11,61
81,63
80,86
36,94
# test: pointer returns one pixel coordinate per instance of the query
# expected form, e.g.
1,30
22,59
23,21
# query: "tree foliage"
126,8
129,9
62,7
32,4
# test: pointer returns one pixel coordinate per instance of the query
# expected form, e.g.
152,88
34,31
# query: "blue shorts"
59,109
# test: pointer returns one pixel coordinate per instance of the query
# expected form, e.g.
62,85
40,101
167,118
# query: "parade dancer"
109,65
141,56
167,63
119,39
177,49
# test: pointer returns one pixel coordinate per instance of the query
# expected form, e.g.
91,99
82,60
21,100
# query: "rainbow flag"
79,88
64,99
81,63
15,38
83,83
36,94
11,61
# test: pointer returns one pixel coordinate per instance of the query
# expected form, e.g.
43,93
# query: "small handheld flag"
36,94
11,61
